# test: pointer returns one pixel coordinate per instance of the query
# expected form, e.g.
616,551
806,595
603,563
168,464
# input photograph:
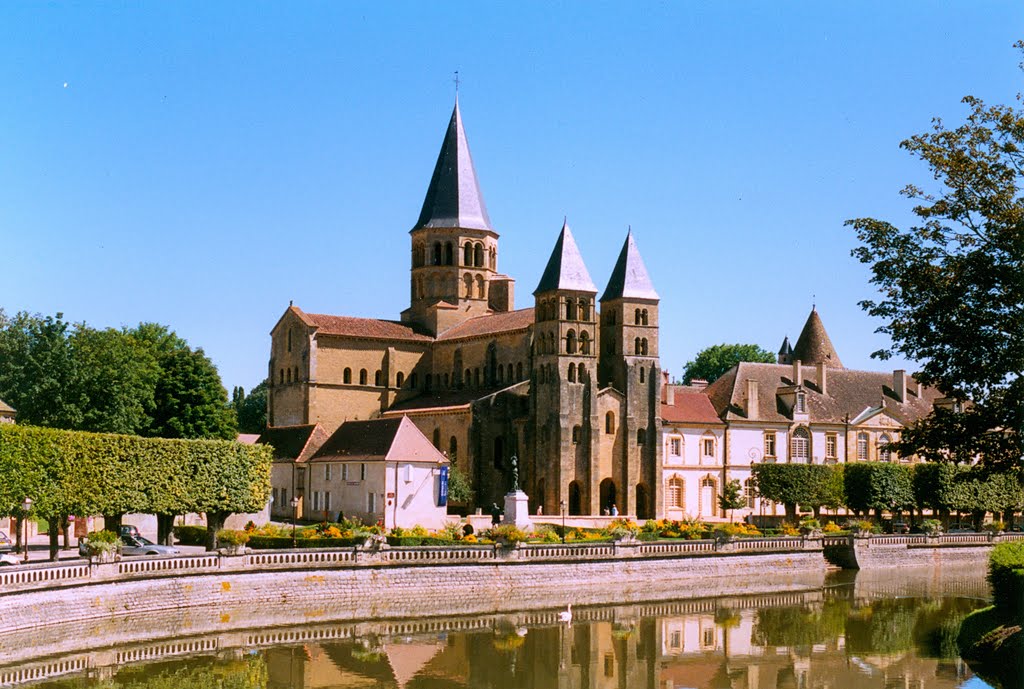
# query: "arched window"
581,371
609,423
584,312
494,258
378,379
884,453
641,374
570,342
584,342
437,254
478,256
289,376
862,447
449,254
749,492
453,448
643,316
362,376
467,255
800,446
510,378
399,379
676,493
636,346
468,380
414,381
577,433
347,376
643,346
641,436
500,370
481,291
437,438
636,317
570,310
476,377
519,371
707,449
296,374
446,380
572,373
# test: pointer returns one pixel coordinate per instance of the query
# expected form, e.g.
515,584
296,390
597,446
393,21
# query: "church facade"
570,386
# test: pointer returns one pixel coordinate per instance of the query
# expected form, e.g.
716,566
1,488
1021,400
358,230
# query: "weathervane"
456,80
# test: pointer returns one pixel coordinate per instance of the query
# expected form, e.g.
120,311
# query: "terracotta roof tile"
690,406
4,407
294,442
368,328
378,439
490,324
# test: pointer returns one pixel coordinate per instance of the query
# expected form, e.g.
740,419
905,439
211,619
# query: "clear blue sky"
200,164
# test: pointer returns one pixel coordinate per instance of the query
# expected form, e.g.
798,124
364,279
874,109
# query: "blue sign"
442,496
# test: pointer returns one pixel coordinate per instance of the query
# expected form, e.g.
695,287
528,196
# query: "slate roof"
849,393
629,279
490,324
786,349
565,269
379,439
294,442
814,346
365,328
690,406
453,196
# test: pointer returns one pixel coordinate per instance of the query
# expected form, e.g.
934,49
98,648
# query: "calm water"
882,633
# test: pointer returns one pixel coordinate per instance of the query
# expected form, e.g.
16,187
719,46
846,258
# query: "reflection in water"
838,638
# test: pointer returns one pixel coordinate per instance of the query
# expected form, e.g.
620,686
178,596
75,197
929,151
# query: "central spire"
453,197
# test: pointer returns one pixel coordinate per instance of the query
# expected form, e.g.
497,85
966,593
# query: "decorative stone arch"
570,309
570,342
609,422
884,452
449,254
708,496
636,317
481,287
478,255
584,310
346,377
581,373
399,379
494,258
571,377
584,342
467,283
643,317
575,499
608,493
467,255
362,376
800,446
708,440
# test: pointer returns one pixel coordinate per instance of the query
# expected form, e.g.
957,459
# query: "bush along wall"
73,472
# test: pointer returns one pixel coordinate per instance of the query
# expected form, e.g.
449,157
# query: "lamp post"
562,506
26,505
295,517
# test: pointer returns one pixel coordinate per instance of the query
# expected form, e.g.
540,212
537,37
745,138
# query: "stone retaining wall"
888,552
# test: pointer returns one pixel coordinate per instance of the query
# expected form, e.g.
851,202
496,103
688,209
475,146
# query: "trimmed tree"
807,485
878,486
731,497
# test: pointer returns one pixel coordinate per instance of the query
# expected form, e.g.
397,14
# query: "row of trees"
143,381
864,487
76,473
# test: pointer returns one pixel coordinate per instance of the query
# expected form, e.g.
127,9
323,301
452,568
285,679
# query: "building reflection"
831,642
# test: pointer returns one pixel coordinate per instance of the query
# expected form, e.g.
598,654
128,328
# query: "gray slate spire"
453,197
565,268
629,278
786,348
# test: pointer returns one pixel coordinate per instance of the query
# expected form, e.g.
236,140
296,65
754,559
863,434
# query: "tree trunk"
54,533
165,529
791,512
878,515
214,523
65,531
112,522
977,519
816,511
19,526
1008,517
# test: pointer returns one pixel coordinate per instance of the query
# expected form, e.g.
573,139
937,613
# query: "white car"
6,560
138,545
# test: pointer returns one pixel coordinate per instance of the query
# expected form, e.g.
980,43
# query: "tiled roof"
294,442
6,408
849,393
690,406
490,324
378,439
814,346
442,400
247,438
629,279
565,268
369,328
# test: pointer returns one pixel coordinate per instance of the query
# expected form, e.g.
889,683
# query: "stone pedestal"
517,509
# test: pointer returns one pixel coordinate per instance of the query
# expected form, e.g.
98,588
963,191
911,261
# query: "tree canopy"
952,293
711,362
251,409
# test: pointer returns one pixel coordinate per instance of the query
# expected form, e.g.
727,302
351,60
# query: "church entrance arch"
575,502
609,495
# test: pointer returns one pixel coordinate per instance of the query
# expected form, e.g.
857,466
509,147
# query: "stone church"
571,386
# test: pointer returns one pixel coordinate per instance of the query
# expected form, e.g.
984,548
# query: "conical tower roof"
814,346
786,349
453,197
629,279
565,269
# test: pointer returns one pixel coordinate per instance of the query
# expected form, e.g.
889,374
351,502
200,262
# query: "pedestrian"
615,510
495,514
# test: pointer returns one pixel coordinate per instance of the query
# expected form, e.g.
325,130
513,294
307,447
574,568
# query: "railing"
440,554
168,564
289,559
780,543
965,538
24,576
897,540
827,541
680,548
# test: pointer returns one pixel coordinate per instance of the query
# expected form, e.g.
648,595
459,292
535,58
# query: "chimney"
822,377
798,373
899,384
752,407
698,383
670,395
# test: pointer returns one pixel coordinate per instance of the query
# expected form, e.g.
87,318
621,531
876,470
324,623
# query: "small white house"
380,471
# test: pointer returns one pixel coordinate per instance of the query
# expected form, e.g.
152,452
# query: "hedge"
283,542
73,472
878,486
807,485
1006,575
190,535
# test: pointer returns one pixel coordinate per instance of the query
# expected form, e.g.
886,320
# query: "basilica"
571,385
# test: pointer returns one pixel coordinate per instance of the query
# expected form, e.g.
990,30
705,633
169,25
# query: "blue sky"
207,162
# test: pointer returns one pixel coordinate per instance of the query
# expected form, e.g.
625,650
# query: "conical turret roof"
453,197
565,269
814,346
629,279
786,349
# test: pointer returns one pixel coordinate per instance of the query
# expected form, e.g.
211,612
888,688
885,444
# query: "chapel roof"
367,328
629,279
814,346
394,438
453,197
565,269
6,408
850,393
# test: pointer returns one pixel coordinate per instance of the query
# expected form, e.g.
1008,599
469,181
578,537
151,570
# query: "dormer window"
801,403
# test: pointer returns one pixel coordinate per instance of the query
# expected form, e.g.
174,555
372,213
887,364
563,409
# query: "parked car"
962,527
130,530
5,543
900,527
139,545
8,560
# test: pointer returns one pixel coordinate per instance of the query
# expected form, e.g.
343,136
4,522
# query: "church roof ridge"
629,279
453,196
814,345
565,268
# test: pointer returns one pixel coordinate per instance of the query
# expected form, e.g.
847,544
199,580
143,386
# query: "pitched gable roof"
6,408
565,269
690,406
629,279
491,324
395,439
364,328
814,346
297,443
453,197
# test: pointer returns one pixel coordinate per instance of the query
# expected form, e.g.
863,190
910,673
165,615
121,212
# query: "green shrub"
509,533
1006,575
284,542
931,526
102,542
232,537
190,535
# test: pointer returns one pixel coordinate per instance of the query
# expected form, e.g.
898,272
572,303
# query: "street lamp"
295,516
26,505
562,506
